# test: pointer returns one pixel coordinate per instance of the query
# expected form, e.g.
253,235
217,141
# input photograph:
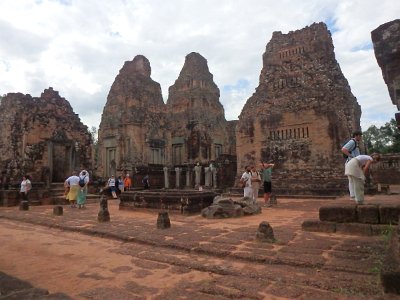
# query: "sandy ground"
129,258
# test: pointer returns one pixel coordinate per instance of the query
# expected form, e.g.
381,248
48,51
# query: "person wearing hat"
127,182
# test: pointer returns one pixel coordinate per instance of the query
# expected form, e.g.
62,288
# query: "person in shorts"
267,181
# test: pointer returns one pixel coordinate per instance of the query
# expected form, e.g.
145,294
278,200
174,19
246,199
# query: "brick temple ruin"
301,112
41,137
138,131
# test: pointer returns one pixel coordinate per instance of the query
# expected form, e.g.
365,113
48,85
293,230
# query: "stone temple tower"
199,131
132,126
301,112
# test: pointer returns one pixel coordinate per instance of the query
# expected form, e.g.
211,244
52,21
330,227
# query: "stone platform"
185,201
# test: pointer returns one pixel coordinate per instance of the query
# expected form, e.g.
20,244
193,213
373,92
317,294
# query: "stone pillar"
24,205
163,221
207,172
188,181
166,177
197,170
178,177
104,214
214,176
58,210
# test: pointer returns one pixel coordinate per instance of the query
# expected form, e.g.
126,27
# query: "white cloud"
78,47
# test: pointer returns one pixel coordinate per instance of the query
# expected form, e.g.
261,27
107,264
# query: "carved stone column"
188,181
177,177
207,172
214,176
166,177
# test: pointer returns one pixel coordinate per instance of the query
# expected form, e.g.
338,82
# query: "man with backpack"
350,150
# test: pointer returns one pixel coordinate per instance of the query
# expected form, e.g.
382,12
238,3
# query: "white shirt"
246,177
363,159
25,186
72,180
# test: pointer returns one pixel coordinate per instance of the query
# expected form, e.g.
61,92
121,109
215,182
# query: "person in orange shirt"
127,182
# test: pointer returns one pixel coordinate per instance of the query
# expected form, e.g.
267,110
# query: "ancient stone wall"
386,40
302,110
41,137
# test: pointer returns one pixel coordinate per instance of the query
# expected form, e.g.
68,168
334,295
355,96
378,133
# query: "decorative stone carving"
265,233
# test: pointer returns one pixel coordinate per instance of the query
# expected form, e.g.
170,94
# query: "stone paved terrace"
129,258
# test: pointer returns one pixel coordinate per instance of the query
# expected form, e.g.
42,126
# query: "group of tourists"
118,185
76,188
252,179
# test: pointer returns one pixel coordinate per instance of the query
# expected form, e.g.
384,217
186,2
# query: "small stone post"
265,233
24,205
104,214
163,221
58,210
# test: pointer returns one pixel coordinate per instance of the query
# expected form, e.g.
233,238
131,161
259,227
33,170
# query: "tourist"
72,183
356,170
267,181
255,182
145,181
26,186
120,184
83,180
245,181
111,186
350,150
127,182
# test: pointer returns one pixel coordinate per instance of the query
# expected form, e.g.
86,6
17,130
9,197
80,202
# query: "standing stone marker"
265,233
24,205
104,214
58,210
163,221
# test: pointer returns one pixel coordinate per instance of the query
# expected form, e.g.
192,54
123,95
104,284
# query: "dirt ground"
129,258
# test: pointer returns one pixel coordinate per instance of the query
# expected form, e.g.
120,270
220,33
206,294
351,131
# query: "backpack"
82,181
352,149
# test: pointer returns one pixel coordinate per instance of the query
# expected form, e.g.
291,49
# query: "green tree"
385,139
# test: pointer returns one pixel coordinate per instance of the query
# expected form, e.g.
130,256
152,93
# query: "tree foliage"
385,139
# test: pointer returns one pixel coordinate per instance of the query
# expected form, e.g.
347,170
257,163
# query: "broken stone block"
24,205
58,210
163,220
265,233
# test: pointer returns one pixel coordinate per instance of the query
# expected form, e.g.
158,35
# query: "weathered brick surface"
301,112
390,274
368,214
339,214
389,214
42,137
386,40
354,228
318,226
138,129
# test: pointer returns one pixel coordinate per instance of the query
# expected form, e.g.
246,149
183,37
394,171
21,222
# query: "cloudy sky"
78,46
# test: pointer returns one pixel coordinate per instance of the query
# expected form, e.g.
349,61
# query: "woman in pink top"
356,170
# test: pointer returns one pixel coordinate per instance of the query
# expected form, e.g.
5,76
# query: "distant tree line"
385,139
